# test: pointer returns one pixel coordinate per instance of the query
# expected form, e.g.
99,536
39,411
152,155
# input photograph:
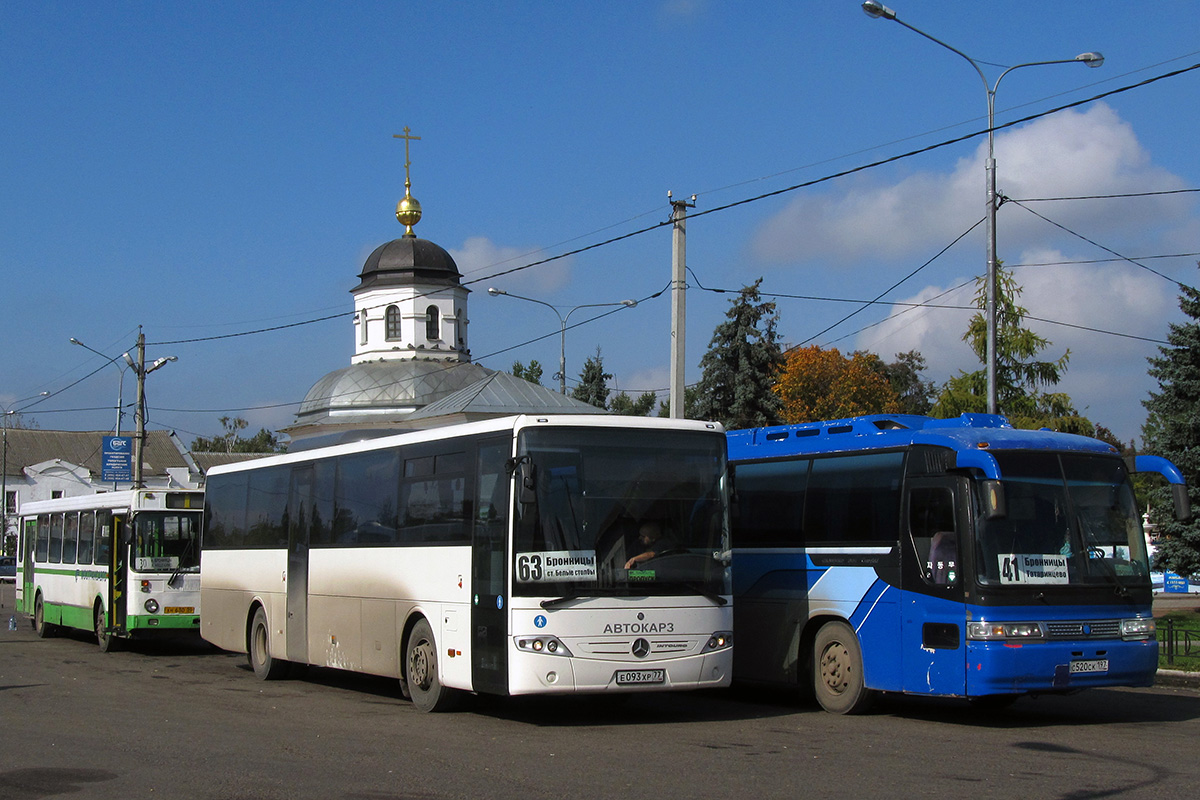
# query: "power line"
737,203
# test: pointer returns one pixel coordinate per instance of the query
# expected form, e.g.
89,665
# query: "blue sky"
210,169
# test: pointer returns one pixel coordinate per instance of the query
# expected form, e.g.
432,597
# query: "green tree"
622,403
1020,376
691,397
1172,430
531,373
906,375
231,442
741,364
593,382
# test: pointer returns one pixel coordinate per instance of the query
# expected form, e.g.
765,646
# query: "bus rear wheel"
42,628
421,672
103,638
265,666
838,672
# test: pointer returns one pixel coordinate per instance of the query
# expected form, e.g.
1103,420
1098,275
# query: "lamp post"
120,384
877,10
562,324
9,411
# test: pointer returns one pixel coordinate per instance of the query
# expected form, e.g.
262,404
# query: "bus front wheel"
103,638
265,666
421,671
42,628
838,672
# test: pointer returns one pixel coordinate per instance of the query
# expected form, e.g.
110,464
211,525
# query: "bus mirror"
1183,503
994,506
526,483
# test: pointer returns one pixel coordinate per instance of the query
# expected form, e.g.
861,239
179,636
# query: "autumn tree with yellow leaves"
819,384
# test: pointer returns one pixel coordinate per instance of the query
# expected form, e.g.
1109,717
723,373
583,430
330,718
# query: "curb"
1175,677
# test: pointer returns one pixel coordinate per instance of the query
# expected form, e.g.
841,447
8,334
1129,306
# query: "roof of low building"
28,446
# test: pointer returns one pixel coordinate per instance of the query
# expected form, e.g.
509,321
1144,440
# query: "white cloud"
1106,375
1066,154
480,257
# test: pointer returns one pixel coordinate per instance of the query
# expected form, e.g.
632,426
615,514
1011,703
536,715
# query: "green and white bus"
121,564
507,557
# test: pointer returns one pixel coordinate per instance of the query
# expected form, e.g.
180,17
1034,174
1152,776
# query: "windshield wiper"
179,567
558,601
1090,546
707,593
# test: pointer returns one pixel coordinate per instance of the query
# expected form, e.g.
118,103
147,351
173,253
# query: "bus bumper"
541,674
1058,666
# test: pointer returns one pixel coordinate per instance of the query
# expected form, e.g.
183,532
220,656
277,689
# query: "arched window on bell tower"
391,323
460,333
362,327
433,326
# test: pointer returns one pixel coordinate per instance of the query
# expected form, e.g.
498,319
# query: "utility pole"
678,301
139,443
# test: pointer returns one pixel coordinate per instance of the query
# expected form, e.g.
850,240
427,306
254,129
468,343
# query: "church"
412,366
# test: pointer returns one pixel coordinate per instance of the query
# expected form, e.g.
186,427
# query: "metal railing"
1178,640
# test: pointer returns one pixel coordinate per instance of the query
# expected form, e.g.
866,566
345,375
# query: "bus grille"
1090,629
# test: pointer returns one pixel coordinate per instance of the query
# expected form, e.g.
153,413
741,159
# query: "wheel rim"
419,664
100,634
835,668
260,644
39,619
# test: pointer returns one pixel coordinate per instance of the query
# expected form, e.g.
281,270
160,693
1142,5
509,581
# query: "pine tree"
1172,430
741,364
531,373
593,382
1021,378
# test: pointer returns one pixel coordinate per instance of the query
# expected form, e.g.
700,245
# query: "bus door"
118,572
489,568
300,506
27,580
933,618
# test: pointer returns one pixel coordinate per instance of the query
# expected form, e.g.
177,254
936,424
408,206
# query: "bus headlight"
549,645
152,606
719,641
1004,631
1141,628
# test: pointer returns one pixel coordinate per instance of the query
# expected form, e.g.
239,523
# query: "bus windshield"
1071,520
620,512
167,540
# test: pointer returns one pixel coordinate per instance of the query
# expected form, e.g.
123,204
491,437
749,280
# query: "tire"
265,666
837,671
421,672
42,628
106,640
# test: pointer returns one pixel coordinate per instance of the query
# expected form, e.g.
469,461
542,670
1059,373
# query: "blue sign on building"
1174,583
116,459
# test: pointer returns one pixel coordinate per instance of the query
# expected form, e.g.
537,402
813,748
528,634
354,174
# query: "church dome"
384,387
408,260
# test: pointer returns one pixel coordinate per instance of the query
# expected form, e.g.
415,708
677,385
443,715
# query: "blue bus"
951,557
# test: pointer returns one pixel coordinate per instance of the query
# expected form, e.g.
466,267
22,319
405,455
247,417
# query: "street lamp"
877,10
120,384
9,411
562,323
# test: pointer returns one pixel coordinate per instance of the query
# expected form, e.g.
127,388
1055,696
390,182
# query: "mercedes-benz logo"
641,648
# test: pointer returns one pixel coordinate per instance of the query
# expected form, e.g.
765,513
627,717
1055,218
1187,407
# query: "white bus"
122,564
491,557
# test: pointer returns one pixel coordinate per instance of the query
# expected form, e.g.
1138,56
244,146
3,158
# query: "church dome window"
433,324
391,319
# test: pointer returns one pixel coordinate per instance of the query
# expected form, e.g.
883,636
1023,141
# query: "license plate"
640,677
179,610
1093,665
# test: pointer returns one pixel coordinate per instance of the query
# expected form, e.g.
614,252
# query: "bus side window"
931,525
